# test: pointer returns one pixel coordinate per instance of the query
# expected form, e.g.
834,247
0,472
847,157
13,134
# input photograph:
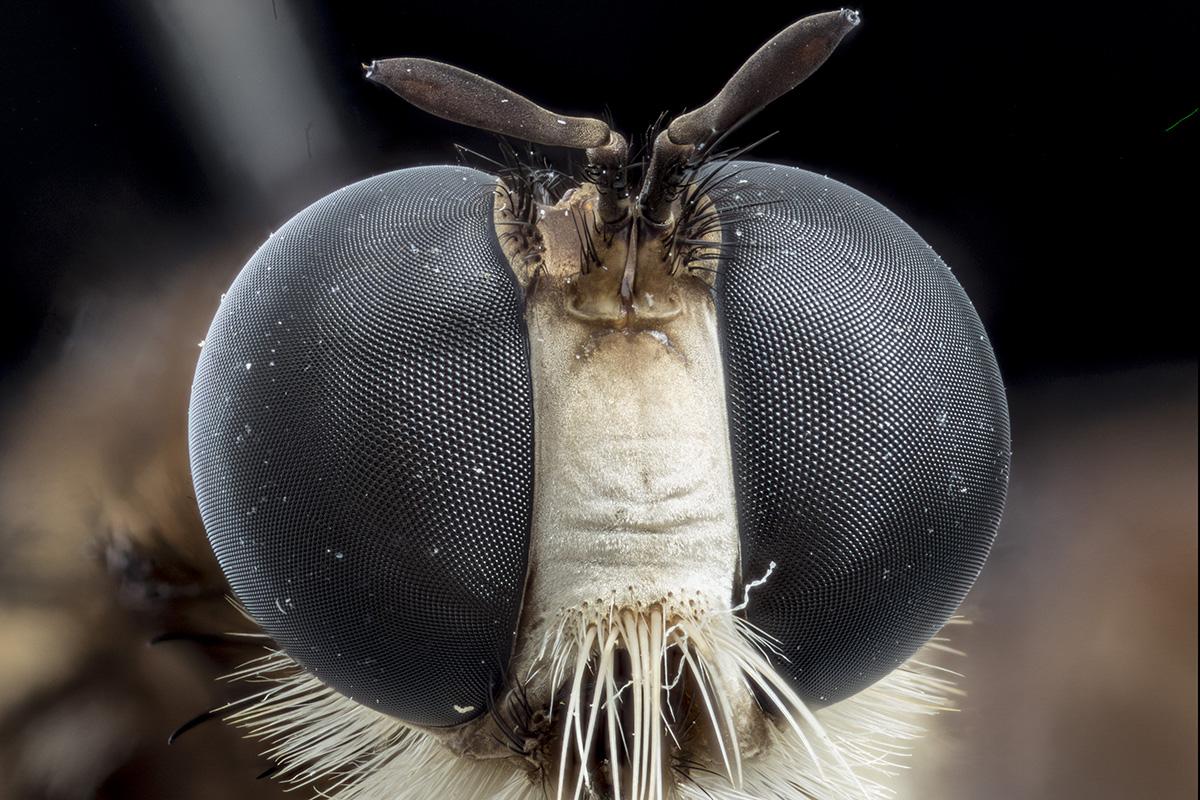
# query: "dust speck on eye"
463,709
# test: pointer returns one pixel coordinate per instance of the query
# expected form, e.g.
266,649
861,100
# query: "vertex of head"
649,213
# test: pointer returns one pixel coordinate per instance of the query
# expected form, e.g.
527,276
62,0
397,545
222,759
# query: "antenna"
460,96
464,97
774,70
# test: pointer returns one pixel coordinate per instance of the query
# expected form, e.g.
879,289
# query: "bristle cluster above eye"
527,184
707,180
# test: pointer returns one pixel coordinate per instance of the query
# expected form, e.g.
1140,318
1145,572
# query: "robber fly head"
639,486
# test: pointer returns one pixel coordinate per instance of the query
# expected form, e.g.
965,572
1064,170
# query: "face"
618,488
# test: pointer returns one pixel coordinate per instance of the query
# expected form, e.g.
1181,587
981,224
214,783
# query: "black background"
1028,146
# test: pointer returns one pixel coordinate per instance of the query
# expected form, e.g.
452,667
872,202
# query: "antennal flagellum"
460,96
774,70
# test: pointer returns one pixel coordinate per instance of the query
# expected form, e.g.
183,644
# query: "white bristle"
847,750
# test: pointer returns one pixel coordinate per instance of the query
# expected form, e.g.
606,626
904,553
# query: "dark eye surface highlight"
868,424
361,435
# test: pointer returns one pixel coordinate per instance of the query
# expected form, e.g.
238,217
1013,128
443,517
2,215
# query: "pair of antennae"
775,69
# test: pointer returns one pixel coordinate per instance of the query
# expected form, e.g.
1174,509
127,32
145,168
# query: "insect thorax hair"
684,696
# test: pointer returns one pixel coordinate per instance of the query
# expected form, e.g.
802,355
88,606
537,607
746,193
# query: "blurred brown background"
1049,159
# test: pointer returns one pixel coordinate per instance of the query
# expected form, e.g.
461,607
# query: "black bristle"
195,721
268,772
201,718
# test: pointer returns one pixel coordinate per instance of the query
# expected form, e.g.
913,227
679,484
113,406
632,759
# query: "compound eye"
868,424
361,436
